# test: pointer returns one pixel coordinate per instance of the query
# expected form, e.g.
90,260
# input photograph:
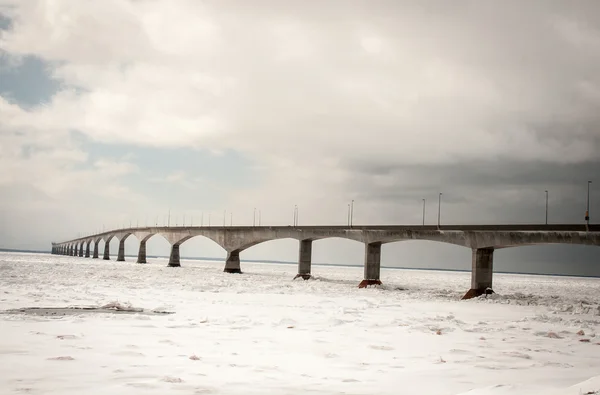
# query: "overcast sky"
115,111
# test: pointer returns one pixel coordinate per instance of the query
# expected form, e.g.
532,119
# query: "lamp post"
254,217
348,214
587,207
439,209
295,215
259,217
351,212
546,207
423,212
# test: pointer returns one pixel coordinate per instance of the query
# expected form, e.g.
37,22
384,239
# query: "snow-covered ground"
261,333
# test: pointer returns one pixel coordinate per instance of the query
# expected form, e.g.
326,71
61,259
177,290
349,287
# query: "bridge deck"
463,228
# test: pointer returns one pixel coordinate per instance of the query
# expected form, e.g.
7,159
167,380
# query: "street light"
254,217
439,209
348,214
351,212
546,207
295,214
423,212
587,209
259,217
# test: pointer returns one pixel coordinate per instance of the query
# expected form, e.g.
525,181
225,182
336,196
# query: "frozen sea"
262,333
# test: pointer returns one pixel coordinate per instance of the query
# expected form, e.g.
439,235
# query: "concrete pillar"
481,272
96,246
121,256
304,259
142,252
372,265
87,249
73,250
174,257
81,250
75,253
232,263
106,256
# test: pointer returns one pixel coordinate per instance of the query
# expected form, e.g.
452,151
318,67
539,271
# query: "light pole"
546,207
202,218
259,217
209,219
439,209
231,218
348,214
169,223
423,212
295,215
351,212
254,217
587,207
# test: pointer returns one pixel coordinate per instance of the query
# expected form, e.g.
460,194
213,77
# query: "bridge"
481,239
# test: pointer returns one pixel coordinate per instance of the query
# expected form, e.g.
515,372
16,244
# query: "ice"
262,333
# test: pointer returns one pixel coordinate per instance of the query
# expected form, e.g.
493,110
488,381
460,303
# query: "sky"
122,111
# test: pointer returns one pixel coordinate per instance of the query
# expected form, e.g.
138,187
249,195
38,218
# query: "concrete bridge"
481,239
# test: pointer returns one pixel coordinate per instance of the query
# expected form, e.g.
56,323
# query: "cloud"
218,76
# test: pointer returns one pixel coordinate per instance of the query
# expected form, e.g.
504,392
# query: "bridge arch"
180,239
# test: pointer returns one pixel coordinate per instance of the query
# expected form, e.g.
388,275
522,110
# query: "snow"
262,333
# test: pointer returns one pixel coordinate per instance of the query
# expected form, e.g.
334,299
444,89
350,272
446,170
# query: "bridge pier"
304,259
96,249
174,257
106,256
142,252
75,252
481,272
372,265
232,263
121,255
81,250
87,249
